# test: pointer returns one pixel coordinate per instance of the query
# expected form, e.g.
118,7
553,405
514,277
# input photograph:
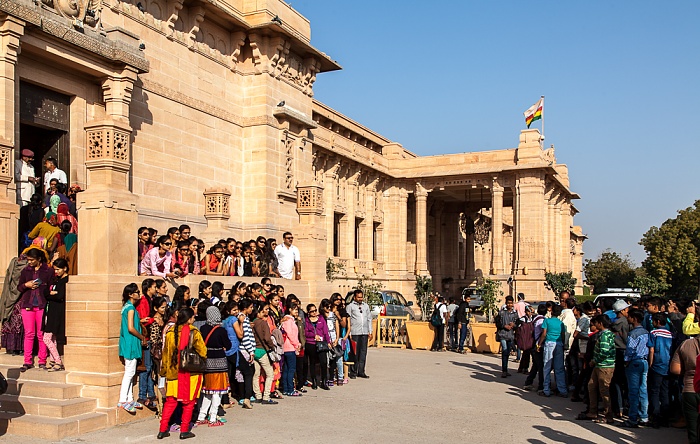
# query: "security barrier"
391,331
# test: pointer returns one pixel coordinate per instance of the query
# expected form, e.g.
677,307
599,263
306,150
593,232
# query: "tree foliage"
610,270
672,252
558,282
372,290
647,285
424,294
491,294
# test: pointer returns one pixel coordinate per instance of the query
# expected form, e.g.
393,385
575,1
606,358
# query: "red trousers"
168,410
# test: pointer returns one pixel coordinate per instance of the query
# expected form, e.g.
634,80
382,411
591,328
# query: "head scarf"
53,203
213,316
51,218
64,214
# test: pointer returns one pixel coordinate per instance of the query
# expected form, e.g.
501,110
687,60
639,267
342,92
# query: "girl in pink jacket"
291,348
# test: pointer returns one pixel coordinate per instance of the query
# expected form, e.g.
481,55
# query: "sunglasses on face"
313,311
289,238
168,244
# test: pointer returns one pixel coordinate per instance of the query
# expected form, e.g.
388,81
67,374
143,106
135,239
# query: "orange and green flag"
534,112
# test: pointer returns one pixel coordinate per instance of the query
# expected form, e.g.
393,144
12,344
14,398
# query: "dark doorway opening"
45,143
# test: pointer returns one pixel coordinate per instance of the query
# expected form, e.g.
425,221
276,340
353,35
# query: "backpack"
436,318
525,336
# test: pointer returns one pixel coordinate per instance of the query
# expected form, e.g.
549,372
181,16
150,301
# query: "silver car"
394,304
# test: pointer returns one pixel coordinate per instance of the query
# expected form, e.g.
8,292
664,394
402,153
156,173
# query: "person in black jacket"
216,381
54,322
462,318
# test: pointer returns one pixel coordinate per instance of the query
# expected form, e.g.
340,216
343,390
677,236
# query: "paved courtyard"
411,397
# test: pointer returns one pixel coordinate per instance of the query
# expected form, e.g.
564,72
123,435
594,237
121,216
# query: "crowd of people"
195,356
178,253
630,361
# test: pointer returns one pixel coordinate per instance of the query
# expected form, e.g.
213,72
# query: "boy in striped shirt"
659,344
604,366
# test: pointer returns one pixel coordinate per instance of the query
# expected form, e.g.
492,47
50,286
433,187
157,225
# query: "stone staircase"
44,405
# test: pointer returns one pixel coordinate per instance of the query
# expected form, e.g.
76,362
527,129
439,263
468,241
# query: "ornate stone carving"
216,203
106,141
548,155
197,15
6,167
80,12
310,199
289,146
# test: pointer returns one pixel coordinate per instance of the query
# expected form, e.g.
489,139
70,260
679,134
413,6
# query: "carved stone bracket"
310,199
216,204
6,168
197,14
107,140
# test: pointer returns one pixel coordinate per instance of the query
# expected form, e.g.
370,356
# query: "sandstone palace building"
202,112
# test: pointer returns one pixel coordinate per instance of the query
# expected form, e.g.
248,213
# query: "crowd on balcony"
178,253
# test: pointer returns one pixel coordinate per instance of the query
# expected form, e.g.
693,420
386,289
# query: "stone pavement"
411,397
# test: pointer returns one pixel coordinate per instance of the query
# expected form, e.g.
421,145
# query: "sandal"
583,416
276,395
604,421
294,393
56,368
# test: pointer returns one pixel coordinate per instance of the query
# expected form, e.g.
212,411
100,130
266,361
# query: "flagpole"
542,120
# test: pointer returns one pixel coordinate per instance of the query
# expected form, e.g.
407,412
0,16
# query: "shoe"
563,395
137,405
542,393
303,390
345,381
269,402
296,393
247,405
127,406
217,423
329,383
629,424
517,360
201,422
26,367
352,376
162,435
504,375
646,423
363,376
324,387
186,435
339,382
314,386
308,383
276,395
42,366
529,387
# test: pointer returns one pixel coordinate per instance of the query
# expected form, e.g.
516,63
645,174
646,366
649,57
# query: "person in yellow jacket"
180,386
690,323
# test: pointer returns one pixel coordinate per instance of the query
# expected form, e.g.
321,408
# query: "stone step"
40,389
12,371
52,408
52,428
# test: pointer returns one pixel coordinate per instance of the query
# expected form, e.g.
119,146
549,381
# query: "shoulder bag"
321,346
190,361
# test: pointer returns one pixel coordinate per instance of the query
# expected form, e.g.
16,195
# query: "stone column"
421,231
217,214
11,29
496,228
351,196
403,230
107,253
530,236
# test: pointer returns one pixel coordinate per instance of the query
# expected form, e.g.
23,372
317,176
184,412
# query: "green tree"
491,294
647,285
672,252
371,289
424,295
558,282
610,270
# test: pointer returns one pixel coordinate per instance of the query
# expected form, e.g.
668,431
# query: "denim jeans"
145,379
288,370
658,395
537,365
506,347
463,336
452,333
553,357
636,373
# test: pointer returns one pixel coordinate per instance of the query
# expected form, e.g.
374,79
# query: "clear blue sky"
621,81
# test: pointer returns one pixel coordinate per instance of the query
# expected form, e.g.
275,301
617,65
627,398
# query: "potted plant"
485,332
421,333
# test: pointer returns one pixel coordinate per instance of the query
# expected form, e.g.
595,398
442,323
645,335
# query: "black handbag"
322,346
190,361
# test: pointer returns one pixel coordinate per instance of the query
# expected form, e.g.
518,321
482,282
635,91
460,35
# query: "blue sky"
620,81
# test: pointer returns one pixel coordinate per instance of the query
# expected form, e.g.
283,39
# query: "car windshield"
391,298
401,299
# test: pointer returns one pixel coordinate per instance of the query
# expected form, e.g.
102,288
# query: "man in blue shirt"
552,343
660,340
637,367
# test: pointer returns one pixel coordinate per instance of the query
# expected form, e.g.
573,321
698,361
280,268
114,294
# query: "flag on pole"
534,112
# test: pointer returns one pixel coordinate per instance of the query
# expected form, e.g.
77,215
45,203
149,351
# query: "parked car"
615,296
476,301
394,304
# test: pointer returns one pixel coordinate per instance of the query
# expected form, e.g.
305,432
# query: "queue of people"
178,253
631,362
196,357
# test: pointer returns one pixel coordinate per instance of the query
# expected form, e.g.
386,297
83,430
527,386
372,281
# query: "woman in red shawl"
64,214
180,386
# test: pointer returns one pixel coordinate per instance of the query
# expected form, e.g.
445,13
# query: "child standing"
604,365
636,369
660,340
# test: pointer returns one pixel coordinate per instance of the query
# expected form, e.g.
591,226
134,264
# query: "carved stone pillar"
311,232
421,231
11,29
496,228
403,231
217,214
351,196
529,272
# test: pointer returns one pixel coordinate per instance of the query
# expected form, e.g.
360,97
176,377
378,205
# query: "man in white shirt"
438,341
288,258
25,179
52,172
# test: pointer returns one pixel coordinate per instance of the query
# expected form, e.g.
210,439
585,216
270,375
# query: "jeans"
314,357
126,392
553,357
525,360
288,370
361,354
145,379
242,390
537,369
302,371
506,347
439,339
636,373
618,386
464,331
263,364
658,396
52,346
691,402
31,320
452,333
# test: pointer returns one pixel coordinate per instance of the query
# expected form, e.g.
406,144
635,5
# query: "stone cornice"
89,40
